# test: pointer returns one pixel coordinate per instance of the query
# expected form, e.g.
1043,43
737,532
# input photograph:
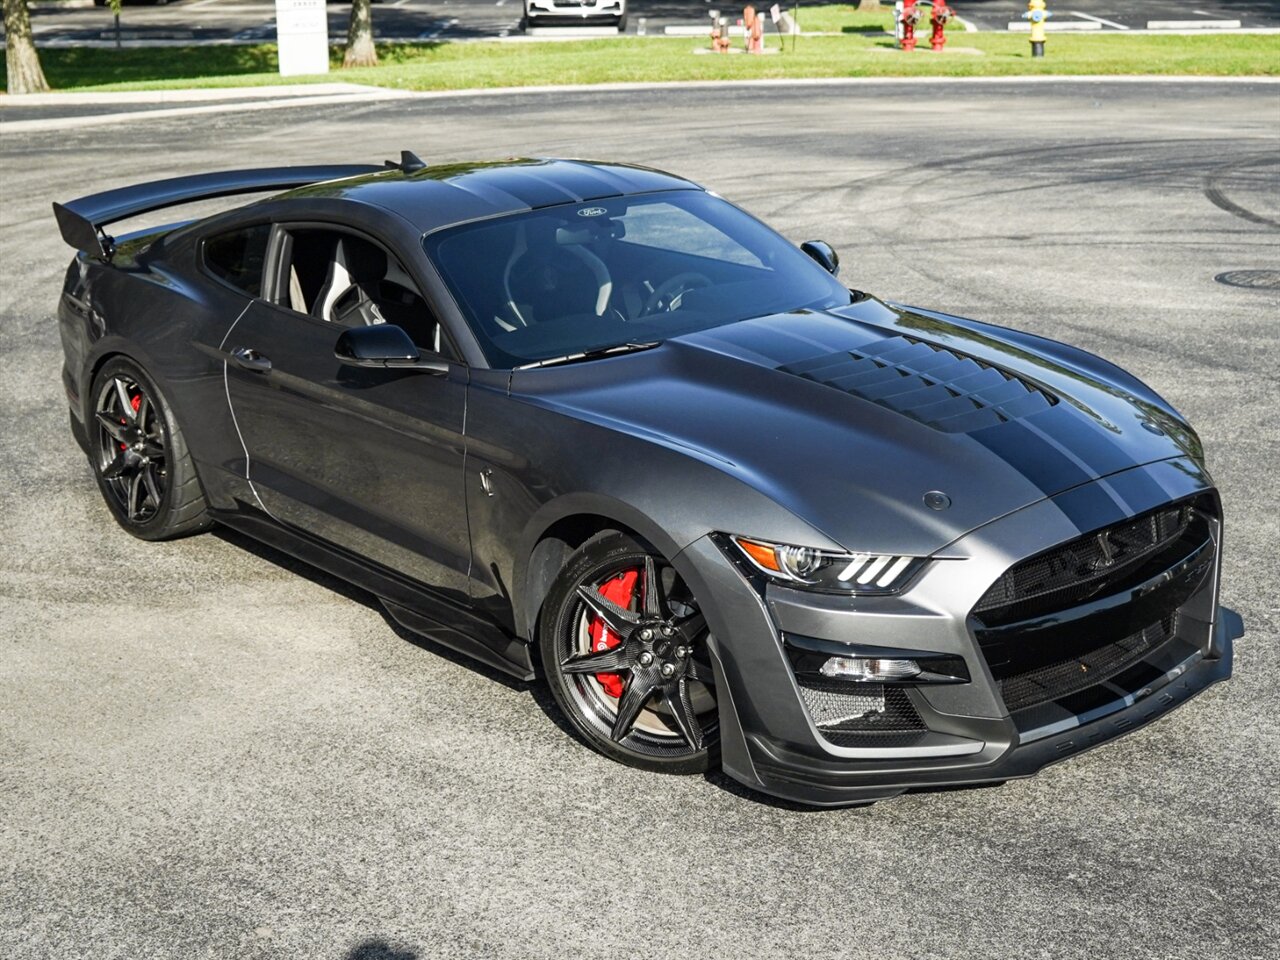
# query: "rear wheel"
624,649
143,467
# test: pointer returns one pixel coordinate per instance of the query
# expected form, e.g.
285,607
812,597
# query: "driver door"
369,460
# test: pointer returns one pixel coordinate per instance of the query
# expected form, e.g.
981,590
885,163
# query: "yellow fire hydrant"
1036,15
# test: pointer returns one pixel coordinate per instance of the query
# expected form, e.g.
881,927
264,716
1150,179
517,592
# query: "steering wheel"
670,293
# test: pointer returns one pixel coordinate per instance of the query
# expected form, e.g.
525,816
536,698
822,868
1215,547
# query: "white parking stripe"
1105,23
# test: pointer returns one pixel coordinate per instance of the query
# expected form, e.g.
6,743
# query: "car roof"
439,196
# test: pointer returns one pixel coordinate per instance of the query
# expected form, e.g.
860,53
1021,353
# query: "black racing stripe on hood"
1084,436
1138,490
1091,507
935,385
1032,455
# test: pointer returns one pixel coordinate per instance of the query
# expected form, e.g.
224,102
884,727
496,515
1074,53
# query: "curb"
111,119
274,91
308,97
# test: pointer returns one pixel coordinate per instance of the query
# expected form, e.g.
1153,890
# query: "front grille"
1082,614
861,714
1079,569
1062,679
941,388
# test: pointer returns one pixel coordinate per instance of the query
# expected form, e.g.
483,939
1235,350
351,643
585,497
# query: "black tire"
144,469
659,672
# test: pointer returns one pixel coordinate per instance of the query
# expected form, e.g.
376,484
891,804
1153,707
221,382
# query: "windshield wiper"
596,354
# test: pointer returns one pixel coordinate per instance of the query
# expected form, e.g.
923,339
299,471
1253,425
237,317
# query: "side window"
238,257
345,279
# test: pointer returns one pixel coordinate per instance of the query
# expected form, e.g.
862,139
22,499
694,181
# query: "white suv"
574,13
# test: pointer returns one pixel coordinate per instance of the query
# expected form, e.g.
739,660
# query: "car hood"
849,418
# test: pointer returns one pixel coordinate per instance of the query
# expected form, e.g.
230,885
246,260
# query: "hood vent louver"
936,386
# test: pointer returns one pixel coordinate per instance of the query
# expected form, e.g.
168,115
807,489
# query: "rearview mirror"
384,346
824,254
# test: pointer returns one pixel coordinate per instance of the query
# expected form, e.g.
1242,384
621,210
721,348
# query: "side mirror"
824,254
384,346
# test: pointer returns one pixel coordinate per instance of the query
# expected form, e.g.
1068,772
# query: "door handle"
251,360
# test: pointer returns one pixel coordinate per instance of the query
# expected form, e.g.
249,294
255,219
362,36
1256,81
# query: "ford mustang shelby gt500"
590,422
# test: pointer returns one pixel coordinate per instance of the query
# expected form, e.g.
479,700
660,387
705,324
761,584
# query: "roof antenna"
410,162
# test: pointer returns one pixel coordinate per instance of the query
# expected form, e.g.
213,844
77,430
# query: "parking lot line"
1105,23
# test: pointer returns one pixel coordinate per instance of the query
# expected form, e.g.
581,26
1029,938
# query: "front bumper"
769,739
792,775
547,13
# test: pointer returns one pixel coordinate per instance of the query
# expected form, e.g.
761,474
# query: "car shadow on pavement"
538,691
361,596
378,949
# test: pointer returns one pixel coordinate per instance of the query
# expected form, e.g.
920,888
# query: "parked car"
594,425
575,13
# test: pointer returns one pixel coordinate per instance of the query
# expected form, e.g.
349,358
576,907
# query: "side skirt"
413,605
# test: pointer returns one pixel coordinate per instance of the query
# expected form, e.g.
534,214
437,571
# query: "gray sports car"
593,424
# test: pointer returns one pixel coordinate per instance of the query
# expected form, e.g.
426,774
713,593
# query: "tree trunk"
360,51
21,60
868,6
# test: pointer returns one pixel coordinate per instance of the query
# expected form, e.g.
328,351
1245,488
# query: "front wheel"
624,649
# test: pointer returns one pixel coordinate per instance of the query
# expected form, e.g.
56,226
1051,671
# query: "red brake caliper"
620,590
135,403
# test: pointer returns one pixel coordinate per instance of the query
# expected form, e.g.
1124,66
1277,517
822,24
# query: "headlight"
826,571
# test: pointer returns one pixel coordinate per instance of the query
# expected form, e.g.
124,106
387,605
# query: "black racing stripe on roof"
596,182
465,191
443,195
532,186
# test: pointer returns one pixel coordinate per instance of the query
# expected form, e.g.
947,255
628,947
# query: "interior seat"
350,292
547,280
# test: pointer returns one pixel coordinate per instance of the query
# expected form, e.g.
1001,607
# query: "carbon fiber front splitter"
782,772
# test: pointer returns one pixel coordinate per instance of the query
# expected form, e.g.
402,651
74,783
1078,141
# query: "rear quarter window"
238,257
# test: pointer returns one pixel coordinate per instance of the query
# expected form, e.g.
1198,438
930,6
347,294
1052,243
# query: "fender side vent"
938,387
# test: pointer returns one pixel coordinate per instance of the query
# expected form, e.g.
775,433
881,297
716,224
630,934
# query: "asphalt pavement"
222,21
207,750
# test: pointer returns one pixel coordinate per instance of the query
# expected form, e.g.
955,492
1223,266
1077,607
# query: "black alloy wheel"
131,448
624,649
140,458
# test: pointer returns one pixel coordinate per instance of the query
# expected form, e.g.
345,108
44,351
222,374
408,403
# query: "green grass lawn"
857,53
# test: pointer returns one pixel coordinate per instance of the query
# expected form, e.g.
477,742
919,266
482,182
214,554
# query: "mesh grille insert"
934,385
1076,570
862,714
1062,679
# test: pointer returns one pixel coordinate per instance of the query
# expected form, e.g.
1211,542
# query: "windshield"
578,277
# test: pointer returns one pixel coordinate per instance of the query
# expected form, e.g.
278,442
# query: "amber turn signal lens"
761,553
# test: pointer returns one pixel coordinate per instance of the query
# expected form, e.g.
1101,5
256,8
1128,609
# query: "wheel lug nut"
646,634
666,630
682,652
668,669
646,658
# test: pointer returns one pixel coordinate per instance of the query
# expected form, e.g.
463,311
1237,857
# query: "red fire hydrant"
941,14
910,17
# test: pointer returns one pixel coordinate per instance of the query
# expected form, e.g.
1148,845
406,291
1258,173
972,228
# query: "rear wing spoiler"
81,221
